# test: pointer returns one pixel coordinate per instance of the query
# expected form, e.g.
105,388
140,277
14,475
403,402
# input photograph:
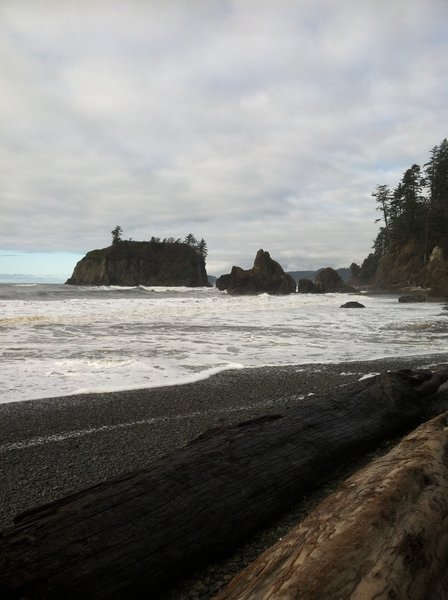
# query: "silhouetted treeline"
416,209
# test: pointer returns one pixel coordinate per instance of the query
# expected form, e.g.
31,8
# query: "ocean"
58,340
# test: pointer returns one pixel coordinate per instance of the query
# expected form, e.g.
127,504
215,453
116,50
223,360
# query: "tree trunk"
128,537
382,534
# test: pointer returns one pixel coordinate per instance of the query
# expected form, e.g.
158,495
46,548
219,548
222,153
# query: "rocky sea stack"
327,281
130,263
265,277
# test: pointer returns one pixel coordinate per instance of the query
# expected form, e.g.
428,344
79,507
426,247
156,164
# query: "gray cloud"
252,124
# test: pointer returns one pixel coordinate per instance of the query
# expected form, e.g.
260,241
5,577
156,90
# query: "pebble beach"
53,447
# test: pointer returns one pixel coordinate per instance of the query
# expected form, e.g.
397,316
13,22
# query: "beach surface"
53,447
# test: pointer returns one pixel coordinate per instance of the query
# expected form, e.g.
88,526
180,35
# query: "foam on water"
60,340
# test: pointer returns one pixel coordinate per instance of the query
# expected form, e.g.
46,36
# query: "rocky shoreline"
53,447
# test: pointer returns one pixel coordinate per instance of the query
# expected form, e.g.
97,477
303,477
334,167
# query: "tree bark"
382,534
128,537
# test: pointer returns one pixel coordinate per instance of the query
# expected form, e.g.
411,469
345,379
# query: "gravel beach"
56,446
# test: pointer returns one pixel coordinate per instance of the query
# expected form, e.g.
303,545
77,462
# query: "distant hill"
344,273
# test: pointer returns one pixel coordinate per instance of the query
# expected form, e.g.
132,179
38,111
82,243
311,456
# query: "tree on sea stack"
202,248
116,234
190,240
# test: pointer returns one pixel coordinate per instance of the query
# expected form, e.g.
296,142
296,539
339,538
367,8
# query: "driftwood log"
128,537
382,534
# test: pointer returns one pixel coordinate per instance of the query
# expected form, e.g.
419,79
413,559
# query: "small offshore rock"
352,304
306,286
328,280
412,298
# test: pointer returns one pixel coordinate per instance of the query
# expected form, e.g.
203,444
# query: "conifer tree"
383,196
116,234
202,248
190,240
417,210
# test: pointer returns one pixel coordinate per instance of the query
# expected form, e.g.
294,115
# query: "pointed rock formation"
265,277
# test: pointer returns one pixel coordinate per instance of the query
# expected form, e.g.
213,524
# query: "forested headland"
412,242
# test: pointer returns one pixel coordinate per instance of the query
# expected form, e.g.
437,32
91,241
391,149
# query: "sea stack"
265,277
130,263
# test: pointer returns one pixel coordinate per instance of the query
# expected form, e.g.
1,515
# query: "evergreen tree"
407,207
416,210
202,248
116,234
190,240
383,196
355,271
368,268
437,184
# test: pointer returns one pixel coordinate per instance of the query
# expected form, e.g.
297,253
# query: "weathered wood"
128,537
382,534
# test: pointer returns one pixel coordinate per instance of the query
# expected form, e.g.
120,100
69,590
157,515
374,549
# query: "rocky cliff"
437,268
266,276
130,263
405,267
401,268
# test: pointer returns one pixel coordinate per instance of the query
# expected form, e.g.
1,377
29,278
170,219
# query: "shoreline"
394,360
53,447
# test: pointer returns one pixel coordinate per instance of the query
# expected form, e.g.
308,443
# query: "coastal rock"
405,268
438,272
223,282
352,305
266,276
328,280
130,263
401,268
412,298
306,286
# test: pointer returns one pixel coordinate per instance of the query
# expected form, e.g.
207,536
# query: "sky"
249,123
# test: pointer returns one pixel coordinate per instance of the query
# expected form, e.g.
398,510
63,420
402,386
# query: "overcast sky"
250,123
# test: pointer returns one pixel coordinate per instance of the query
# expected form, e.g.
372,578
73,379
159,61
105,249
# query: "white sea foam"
59,340
368,376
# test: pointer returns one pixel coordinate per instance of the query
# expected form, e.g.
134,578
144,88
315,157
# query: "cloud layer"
250,123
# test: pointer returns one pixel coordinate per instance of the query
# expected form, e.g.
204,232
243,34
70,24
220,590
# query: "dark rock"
400,268
142,263
306,286
266,276
405,267
438,271
222,282
329,280
412,298
352,305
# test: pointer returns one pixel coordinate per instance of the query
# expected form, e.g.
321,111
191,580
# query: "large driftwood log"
382,534
128,537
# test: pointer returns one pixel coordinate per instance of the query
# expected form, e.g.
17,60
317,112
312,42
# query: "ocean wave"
104,339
